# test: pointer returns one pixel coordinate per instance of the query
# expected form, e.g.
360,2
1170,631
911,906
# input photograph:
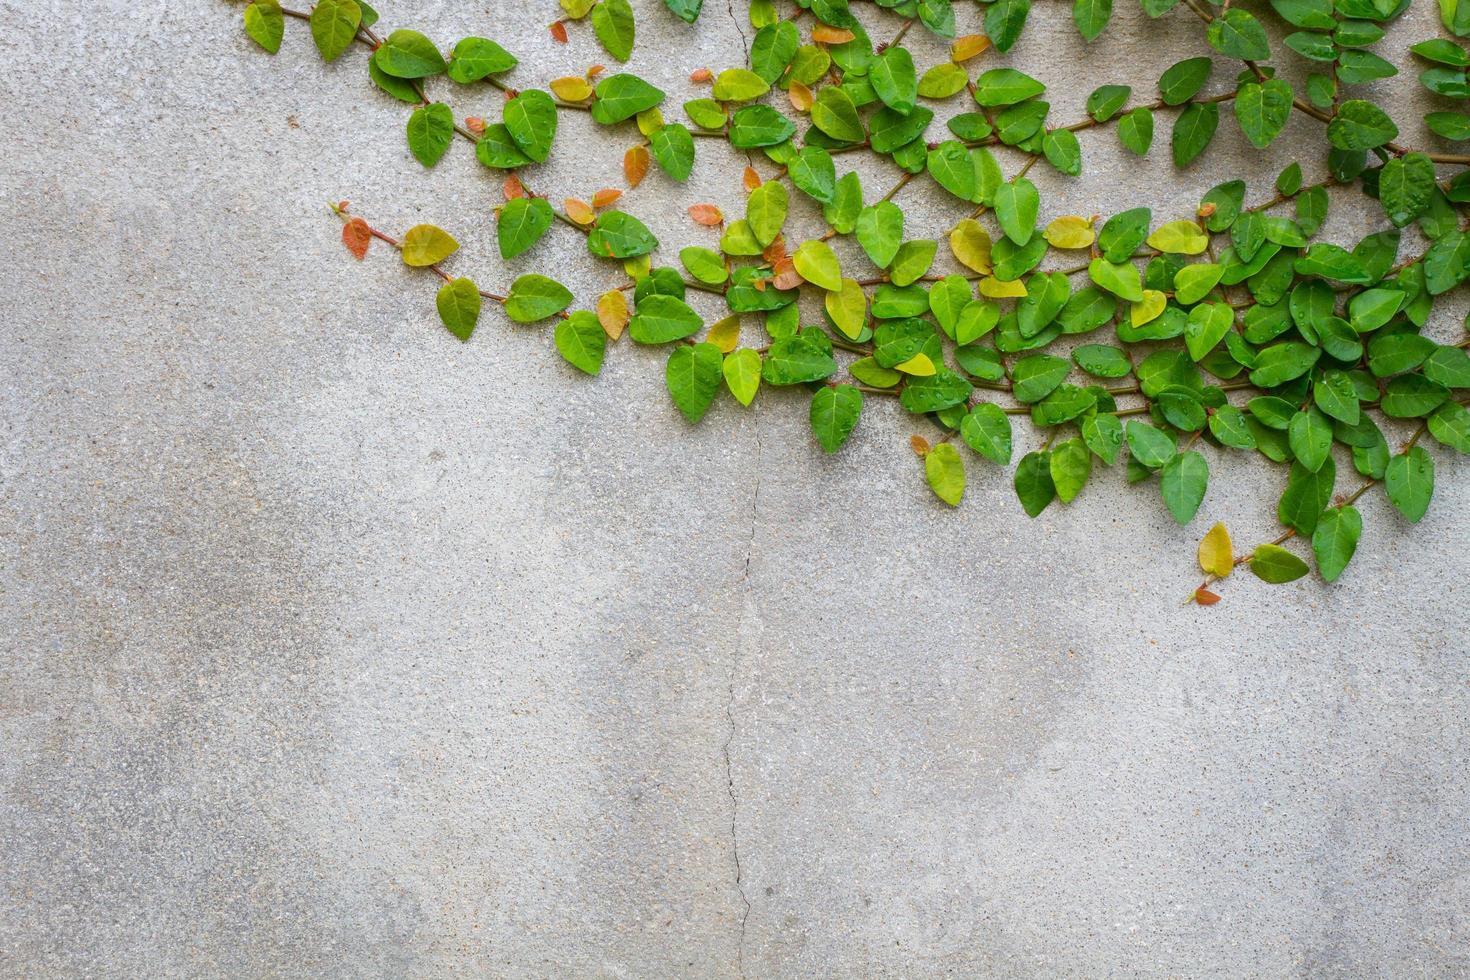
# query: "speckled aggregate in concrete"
333,647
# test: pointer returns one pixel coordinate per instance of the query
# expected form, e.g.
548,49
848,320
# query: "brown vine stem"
345,215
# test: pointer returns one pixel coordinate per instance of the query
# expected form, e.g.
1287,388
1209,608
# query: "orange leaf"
606,196
919,445
786,275
635,164
706,214
513,188
701,75
752,179
800,96
595,70
612,313
826,34
579,211
356,235
1205,597
559,32
474,124
966,47
775,253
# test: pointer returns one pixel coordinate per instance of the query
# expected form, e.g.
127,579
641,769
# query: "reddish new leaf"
356,235
706,214
635,164
559,32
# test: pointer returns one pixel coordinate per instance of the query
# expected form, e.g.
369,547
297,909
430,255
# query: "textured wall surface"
334,647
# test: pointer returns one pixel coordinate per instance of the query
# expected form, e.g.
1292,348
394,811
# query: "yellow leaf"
612,313
650,121
919,366
968,46
725,334
637,267
993,288
824,34
1216,553
427,245
848,308
1070,231
571,89
1180,238
970,244
1148,308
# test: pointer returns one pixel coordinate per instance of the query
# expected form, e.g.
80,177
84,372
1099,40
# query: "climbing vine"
1127,341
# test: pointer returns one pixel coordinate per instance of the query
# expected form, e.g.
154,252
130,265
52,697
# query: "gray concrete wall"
335,648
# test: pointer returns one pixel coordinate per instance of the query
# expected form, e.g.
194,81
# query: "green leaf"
1237,34
1136,130
814,174
1207,325
430,131
612,22
497,149
774,47
894,79
475,58
1360,125
1034,486
797,360
530,118
945,472
692,376
1036,376
425,245
1071,465
1102,361
1016,205
1063,151
1182,81
1105,101
1335,540
1450,425
1405,186
880,232
942,81
685,10
987,430
1310,438
673,147
704,265
661,319
1150,446
1283,362
1412,396
1004,20
1104,436
1183,483
834,114
834,413
617,235
888,130
265,24
535,297
1262,110
1120,279
742,369
1307,494
1005,86
458,303
581,340
934,393
765,209
334,24
408,54
912,261
952,168
1193,131
755,126
1274,564
621,97
1410,482
1091,17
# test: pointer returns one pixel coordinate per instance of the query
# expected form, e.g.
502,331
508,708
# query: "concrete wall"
334,647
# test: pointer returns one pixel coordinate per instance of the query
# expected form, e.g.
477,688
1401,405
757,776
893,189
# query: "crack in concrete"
751,612
744,43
